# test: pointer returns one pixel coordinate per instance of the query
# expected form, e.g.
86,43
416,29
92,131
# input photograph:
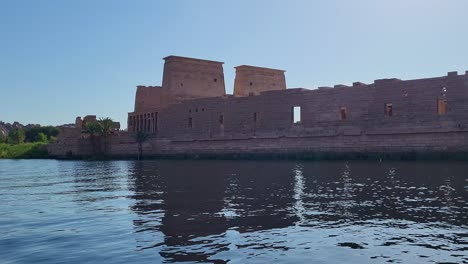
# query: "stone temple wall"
386,116
252,80
188,78
148,98
414,108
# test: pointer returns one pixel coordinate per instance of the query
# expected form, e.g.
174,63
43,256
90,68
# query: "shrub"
41,137
53,139
23,151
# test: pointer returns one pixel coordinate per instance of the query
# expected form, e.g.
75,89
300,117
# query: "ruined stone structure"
191,114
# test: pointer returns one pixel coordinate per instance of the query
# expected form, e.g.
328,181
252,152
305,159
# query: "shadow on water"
206,209
201,199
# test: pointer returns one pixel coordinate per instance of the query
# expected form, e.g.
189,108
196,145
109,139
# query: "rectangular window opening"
297,114
255,117
343,113
190,122
389,109
221,120
442,106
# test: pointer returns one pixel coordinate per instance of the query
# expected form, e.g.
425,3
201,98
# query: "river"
233,211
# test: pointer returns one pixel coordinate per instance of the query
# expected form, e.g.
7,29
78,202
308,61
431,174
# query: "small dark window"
255,117
221,119
190,122
251,83
343,113
389,109
215,80
190,110
203,109
181,84
442,106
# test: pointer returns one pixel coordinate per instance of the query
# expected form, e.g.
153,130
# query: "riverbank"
35,150
38,150
314,156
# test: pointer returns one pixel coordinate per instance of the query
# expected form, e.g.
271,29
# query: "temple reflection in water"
192,205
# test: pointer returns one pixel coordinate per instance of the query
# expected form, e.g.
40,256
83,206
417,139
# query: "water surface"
233,211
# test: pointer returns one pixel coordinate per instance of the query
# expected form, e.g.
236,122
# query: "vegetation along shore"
28,142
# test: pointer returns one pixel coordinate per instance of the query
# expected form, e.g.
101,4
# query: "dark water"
233,211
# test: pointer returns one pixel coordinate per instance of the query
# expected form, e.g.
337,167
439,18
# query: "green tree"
41,137
106,126
93,129
3,138
140,138
33,132
17,136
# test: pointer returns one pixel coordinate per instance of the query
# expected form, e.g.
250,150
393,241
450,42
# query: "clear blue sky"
62,59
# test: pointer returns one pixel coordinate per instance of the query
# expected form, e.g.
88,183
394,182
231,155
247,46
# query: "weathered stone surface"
199,118
187,78
252,80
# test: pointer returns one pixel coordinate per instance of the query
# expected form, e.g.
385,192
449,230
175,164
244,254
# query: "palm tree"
93,129
140,137
106,126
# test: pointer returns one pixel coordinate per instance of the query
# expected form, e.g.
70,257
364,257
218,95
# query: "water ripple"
233,212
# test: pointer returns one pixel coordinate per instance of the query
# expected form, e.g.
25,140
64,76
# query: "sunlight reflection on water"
233,211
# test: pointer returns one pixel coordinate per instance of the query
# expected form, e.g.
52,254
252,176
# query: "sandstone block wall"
149,98
388,115
252,80
187,78
67,142
414,109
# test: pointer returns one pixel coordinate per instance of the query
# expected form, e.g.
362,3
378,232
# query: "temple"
191,114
